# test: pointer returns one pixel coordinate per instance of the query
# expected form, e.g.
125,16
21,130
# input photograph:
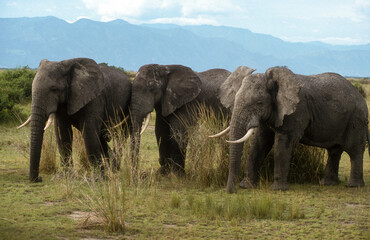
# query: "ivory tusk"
224,132
50,120
146,124
25,123
122,122
245,138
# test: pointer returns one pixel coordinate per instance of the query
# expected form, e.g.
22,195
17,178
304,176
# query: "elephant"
281,108
175,92
80,93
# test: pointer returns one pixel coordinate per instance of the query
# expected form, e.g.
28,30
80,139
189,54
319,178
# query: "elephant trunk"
137,120
237,131
37,133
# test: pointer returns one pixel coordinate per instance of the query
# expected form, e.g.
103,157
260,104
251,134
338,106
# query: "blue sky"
330,21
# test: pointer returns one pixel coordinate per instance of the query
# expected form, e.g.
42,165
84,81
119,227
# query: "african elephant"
80,93
174,91
283,108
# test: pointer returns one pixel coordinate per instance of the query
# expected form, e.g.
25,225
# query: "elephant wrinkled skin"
80,93
175,92
284,108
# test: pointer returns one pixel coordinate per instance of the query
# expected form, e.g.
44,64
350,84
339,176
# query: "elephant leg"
260,147
332,166
94,147
283,149
179,141
162,133
178,155
64,137
356,178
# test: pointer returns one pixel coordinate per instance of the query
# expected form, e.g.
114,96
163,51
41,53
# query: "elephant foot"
164,171
247,184
355,183
329,182
231,189
36,179
279,186
178,171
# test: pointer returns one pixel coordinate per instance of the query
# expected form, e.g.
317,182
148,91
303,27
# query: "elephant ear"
86,82
230,87
182,87
286,88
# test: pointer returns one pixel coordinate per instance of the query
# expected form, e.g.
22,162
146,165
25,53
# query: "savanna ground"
72,206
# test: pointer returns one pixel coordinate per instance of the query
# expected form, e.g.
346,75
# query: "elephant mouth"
249,133
245,137
47,125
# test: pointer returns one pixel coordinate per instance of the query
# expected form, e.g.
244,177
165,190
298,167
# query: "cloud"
199,20
75,20
11,4
174,11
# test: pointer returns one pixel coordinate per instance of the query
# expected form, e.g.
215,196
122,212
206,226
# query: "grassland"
154,207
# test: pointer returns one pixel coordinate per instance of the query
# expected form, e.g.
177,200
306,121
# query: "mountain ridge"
26,41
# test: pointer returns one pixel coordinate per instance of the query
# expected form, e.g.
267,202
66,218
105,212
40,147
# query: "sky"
331,21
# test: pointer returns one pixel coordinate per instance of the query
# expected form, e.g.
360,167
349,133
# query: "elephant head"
164,88
262,99
67,85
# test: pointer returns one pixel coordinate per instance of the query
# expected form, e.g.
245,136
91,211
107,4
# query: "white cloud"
334,21
75,20
343,40
199,20
161,10
11,4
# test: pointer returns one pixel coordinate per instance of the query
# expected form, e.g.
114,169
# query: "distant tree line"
15,88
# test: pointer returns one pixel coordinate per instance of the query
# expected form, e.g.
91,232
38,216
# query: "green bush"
360,88
15,87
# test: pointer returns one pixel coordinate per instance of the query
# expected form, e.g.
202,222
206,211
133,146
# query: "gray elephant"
80,93
283,108
175,92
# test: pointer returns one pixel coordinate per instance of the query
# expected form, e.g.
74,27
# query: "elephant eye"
53,89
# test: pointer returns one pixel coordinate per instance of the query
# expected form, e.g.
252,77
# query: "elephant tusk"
245,138
50,120
122,122
25,123
224,132
146,124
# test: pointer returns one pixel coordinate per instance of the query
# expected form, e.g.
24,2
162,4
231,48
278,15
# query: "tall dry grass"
207,160
106,199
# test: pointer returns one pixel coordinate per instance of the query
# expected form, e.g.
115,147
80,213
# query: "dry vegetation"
76,205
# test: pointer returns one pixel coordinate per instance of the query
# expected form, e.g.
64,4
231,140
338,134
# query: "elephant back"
118,91
211,83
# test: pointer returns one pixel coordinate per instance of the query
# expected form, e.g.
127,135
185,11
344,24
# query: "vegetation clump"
15,88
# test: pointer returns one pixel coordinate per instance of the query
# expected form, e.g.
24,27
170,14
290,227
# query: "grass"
71,206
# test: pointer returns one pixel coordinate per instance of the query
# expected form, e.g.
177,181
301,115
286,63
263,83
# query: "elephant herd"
279,108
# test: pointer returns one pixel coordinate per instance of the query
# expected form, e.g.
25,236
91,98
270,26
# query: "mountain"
26,41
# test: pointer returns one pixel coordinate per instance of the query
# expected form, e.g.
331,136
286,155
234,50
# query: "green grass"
173,208
67,206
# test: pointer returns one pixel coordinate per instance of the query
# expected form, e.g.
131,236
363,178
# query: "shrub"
15,87
360,88
106,200
207,159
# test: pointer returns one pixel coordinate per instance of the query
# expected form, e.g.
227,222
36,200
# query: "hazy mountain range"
26,41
